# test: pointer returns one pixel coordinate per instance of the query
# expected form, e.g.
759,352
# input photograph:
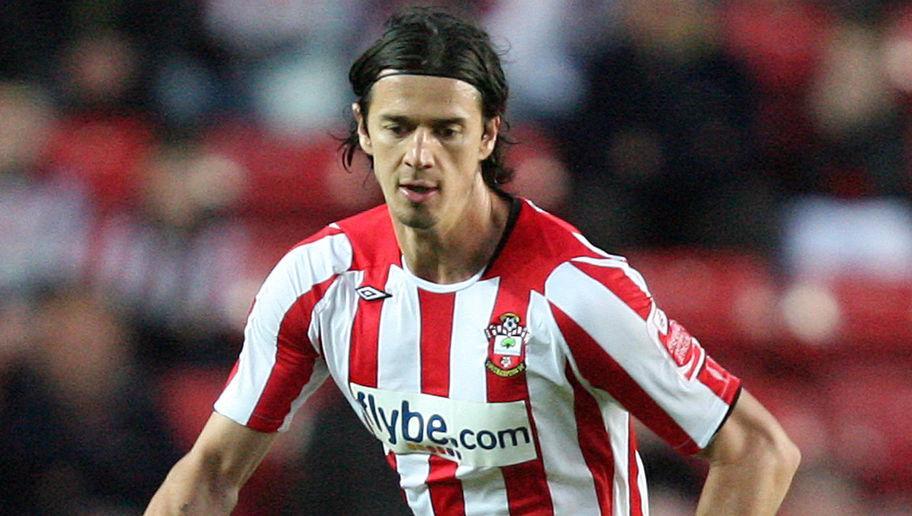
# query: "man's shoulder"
555,240
570,262
341,243
367,222
539,243
368,237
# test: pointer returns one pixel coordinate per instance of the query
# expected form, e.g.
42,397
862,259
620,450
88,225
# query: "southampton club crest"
507,340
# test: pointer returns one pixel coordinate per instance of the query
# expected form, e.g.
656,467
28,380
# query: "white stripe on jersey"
641,485
295,274
575,293
338,322
617,425
399,369
468,345
572,487
413,472
398,346
484,492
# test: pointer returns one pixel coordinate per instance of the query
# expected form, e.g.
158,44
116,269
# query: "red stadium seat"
876,314
272,238
300,176
105,153
869,409
781,43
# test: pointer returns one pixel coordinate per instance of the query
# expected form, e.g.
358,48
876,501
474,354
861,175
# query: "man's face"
427,138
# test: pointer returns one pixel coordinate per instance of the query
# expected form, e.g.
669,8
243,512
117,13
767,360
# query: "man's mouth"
417,192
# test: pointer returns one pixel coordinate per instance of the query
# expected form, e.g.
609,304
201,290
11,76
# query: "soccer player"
497,355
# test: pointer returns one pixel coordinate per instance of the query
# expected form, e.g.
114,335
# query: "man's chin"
415,218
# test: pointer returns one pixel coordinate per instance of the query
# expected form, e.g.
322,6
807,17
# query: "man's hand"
752,462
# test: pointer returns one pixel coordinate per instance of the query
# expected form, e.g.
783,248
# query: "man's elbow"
772,452
787,455
752,436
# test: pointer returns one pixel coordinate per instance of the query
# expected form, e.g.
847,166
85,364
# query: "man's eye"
447,132
398,130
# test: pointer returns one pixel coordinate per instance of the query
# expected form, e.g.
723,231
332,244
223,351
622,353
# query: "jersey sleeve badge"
684,349
507,339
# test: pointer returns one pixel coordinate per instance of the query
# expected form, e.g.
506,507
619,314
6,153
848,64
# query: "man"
496,354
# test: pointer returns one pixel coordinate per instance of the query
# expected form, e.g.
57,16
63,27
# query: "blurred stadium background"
750,157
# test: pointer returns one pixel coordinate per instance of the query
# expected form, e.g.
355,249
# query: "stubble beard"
414,217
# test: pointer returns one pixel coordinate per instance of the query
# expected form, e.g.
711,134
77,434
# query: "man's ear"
489,138
363,136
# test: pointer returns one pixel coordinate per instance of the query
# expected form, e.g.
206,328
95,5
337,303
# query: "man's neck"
452,254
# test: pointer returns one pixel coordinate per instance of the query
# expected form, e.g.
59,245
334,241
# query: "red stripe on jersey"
603,372
365,335
633,471
233,372
720,381
444,488
294,362
391,460
595,444
526,483
436,332
617,280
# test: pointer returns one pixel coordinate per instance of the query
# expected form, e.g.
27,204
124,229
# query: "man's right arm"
207,480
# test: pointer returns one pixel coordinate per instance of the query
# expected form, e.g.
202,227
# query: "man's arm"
752,462
208,478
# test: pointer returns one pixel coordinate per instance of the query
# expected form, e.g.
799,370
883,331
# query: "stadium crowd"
750,157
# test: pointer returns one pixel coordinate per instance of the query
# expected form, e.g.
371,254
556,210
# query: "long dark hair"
429,41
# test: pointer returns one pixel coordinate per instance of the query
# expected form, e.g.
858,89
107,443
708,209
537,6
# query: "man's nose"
419,155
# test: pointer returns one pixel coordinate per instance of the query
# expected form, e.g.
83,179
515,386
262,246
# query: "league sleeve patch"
683,349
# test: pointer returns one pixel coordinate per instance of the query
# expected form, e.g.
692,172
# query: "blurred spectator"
78,432
864,226
100,73
855,112
545,80
781,44
175,263
661,147
897,49
105,132
289,56
44,220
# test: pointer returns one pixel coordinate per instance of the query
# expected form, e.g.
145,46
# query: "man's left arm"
752,462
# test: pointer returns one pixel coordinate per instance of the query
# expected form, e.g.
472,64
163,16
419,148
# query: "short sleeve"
280,365
621,343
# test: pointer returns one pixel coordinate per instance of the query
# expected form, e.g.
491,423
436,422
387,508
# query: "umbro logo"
369,293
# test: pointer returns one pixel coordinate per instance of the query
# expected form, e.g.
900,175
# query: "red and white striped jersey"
508,393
